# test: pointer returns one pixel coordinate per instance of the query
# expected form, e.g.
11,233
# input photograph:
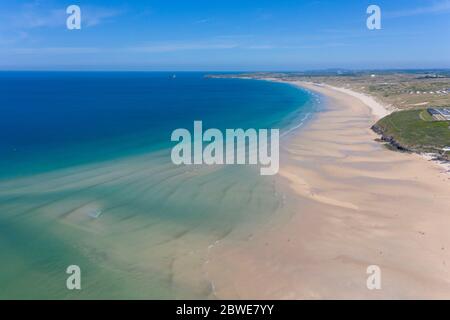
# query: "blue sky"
223,35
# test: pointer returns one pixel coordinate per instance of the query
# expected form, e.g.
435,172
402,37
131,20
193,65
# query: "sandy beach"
355,204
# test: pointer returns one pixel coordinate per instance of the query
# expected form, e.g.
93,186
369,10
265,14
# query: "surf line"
236,146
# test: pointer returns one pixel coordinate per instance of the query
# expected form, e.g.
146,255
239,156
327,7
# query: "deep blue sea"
53,120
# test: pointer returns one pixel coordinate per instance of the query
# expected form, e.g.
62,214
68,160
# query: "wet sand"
354,203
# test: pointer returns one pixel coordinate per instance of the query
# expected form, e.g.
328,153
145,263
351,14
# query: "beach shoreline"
355,204
378,110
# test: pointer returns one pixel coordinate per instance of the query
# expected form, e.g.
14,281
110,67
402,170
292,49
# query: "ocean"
86,179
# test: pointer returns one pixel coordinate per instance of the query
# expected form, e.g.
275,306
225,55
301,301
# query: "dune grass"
416,130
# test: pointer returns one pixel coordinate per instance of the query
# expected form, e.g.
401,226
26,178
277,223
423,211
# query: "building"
440,114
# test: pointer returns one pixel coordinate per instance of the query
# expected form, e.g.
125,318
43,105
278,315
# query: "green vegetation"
414,130
425,116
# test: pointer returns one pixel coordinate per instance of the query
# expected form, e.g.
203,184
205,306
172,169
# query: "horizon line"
335,69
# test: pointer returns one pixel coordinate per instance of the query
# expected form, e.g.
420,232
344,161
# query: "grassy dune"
414,130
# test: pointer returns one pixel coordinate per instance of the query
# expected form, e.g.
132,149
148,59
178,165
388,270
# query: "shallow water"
137,225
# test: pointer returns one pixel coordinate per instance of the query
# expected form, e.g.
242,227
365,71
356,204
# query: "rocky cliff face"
439,155
389,139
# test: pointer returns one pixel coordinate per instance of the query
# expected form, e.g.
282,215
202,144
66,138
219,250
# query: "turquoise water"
57,119
86,179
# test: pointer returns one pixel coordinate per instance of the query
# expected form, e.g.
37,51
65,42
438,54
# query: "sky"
224,35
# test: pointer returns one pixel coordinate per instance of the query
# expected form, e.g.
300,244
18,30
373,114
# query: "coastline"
302,234
138,217
378,110
355,204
